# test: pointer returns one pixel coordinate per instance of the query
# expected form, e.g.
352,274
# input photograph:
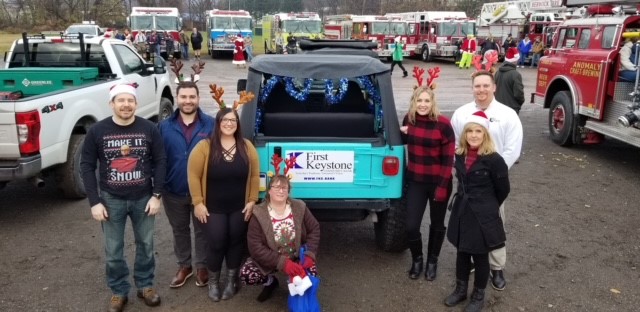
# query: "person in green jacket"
397,56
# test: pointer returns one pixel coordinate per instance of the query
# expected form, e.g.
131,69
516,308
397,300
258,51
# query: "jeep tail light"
390,165
28,125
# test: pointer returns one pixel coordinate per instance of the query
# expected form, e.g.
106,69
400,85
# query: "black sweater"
128,158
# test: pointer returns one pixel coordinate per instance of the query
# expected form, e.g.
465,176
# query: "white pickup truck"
53,89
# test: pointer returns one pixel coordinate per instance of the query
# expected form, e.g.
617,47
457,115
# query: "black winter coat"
509,87
475,225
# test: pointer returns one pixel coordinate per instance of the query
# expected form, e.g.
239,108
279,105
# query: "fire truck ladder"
494,11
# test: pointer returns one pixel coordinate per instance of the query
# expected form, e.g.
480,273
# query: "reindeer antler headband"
492,58
276,160
434,73
176,67
217,92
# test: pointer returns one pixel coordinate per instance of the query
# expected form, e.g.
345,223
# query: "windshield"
167,23
312,27
468,28
398,28
142,22
227,22
447,29
88,29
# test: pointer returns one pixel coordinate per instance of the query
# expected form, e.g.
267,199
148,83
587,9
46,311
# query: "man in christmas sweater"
129,155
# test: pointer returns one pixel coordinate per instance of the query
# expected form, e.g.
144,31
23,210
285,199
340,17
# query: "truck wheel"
390,231
425,53
561,121
68,176
166,109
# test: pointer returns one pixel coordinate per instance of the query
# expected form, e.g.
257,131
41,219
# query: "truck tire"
166,109
425,53
391,234
561,120
68,176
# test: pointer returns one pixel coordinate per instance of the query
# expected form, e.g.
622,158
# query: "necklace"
276,214
229,154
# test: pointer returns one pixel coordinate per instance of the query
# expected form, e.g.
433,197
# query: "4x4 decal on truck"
51,108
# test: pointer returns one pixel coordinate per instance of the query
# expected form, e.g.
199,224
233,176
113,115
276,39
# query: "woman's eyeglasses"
229,120
279,188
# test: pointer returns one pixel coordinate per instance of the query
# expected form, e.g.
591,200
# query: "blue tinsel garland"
268,87
329,93
301,95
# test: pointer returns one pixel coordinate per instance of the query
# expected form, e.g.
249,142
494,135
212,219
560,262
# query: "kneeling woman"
475,227
280,225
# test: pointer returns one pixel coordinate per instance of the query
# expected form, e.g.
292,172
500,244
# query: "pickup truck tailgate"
8,136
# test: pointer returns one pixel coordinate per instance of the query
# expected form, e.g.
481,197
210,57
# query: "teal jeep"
335,115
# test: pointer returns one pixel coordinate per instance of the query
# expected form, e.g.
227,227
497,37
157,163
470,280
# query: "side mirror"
242,85
159,65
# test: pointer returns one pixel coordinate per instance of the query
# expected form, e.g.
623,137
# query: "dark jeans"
185,51
180,214
418,195
226,235
399,63
463,266
628,75
143,226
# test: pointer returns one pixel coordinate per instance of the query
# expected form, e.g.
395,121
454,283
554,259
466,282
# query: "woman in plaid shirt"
431,145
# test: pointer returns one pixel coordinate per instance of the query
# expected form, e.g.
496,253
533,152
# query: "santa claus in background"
238,52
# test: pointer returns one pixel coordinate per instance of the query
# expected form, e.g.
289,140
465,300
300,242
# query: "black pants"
226,234
399,64
481,262
418,195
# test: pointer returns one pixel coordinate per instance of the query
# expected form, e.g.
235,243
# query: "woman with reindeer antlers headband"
430,144
280,225
223,174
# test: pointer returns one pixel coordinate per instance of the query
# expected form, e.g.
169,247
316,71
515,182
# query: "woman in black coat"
475,226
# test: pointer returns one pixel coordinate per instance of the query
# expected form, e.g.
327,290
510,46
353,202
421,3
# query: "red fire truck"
580,80
535,18
159,19
377,28
435,33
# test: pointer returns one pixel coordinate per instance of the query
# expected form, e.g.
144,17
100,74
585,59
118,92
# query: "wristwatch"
157,195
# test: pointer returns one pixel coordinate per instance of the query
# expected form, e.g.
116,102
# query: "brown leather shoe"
117,303
181,277
202,277
150,296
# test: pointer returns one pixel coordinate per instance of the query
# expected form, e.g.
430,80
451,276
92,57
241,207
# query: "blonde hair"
486,148
434,112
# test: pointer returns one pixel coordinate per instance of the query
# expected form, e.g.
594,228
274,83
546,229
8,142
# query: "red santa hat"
480,118
512,55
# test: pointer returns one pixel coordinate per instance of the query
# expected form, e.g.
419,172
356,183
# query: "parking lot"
573,234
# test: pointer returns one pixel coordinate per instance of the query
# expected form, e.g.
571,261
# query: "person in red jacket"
468,49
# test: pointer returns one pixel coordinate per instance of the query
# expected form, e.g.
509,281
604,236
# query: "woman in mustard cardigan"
223,197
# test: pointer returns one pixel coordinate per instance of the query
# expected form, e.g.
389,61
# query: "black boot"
214,286
477,300
405,74
497,280
436,237
458,295
232,284
416,258
267,291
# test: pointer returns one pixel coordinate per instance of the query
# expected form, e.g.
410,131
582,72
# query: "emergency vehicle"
302,25
377,28
158,19
435,33
223,28
579,81
535,18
